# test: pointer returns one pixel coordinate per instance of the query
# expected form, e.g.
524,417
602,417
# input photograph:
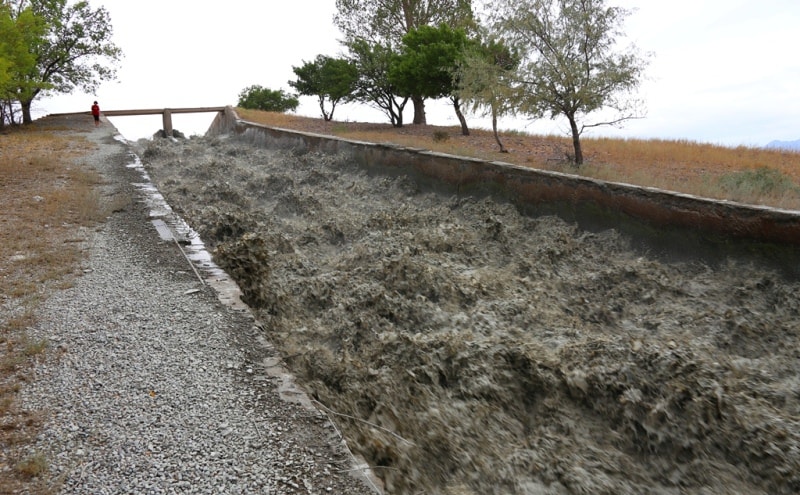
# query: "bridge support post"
167,120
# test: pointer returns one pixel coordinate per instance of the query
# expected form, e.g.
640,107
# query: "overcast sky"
721,71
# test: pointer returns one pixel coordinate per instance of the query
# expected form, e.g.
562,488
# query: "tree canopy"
329,79
428,62
257,97
570,62
385,22
71,47
486,80
20,30
373,87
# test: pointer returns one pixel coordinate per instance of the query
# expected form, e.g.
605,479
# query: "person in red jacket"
96,114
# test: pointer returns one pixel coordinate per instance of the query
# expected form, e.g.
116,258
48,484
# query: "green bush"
259,98
756,183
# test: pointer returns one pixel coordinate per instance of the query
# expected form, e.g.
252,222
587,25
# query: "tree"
70,54
256,97
373,87
427,65
19,31
327,78
385,22
486,80
569,65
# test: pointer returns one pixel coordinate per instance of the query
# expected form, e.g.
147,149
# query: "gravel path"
153,385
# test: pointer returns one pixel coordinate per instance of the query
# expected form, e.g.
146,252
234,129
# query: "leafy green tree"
570,65
329,79
373,87
19,31
8,46
428,63
389,20
385,22
256,97
71,54
486,80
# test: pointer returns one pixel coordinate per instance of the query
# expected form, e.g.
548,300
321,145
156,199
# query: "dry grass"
47,202
749,175
32,466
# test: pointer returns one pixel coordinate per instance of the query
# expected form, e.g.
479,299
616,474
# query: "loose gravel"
152,385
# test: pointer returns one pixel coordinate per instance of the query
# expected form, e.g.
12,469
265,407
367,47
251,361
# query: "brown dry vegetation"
46,199
749,175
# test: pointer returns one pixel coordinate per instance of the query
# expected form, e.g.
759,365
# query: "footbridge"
166,114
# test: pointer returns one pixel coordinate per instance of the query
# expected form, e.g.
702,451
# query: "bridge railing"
166,114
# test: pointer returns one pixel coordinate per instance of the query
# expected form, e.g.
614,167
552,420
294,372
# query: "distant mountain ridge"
784,145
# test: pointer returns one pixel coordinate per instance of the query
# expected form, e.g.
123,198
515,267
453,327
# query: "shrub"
259,98
440,136
755,183
32,466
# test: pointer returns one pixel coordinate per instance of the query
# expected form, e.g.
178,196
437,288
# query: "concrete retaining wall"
680,224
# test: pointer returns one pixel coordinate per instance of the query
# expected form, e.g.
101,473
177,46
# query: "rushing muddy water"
468,349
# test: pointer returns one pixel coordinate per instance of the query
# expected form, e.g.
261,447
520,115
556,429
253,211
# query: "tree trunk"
26,111
494,129
397,120
576,140
396,111
419,110
396,117
460,115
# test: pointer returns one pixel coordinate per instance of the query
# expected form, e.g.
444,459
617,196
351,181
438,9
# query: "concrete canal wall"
672,223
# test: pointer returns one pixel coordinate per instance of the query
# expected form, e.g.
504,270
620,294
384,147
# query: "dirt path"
487,352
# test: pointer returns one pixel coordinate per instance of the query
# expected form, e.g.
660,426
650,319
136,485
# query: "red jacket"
95,110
